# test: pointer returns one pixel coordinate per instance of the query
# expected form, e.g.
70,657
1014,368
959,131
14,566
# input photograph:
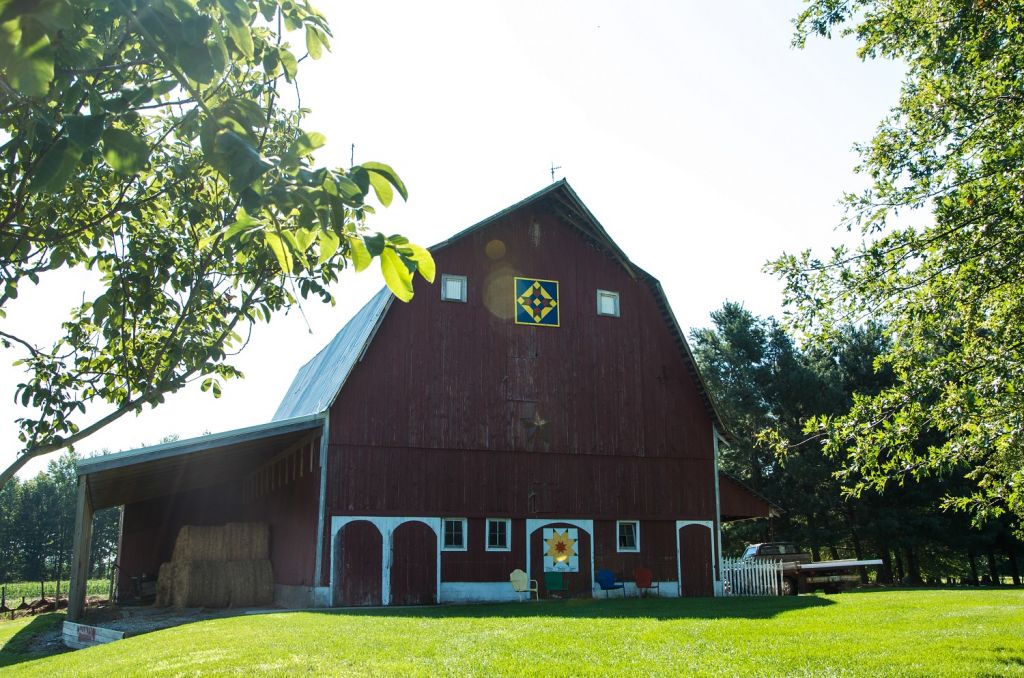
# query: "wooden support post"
80,551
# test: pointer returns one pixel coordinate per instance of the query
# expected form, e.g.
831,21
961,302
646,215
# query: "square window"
628,536
608,303
498,534
453,287
454,534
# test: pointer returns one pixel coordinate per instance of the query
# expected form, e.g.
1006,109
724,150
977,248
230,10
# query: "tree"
941,252
145,140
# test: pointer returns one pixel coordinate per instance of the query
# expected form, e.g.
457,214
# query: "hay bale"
234,541
198,542
200,583
219,584
165,585
251,582
247,541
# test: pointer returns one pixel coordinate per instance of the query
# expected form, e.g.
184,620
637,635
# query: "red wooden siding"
478,564
695,556
738,502
292,513
413,565
462,376
357,560
402,481
657,550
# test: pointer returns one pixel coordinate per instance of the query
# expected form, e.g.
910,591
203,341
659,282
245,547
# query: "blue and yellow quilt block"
536,302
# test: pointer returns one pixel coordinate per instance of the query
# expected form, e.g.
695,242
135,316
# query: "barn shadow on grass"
28,643
663,609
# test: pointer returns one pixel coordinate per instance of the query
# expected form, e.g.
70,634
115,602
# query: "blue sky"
701,140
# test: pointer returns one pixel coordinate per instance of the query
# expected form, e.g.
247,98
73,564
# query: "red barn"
538,408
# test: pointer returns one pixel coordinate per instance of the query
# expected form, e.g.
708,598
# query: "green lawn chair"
554,582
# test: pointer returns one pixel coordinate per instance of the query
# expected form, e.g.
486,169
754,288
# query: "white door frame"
680,524
534,524
386,526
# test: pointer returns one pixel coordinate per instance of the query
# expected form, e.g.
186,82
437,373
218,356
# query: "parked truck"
801,575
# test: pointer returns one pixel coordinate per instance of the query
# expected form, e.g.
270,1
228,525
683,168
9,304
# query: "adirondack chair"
644,579
554,582
521,584
607,581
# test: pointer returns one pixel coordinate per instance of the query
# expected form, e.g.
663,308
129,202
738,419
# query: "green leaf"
360,256
329,243
396,274
313,44
55,168
241,36
423,260
280,249
289,63
196,61
375,244
211,384
100,309
271,61
382,188
124,151
84,130
306,144
304,238
27,56
389,174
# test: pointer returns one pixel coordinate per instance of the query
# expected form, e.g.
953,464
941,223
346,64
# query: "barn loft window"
454,534
629,536
453,287
608,303
498,534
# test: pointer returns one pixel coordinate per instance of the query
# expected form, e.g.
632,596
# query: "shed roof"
318,382
183,465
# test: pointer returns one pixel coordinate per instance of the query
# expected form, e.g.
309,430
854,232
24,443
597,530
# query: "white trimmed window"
499,534
628,536
453,287
453,534
608,303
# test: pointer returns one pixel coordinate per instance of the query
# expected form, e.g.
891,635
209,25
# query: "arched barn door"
578,584
413,564
357,565
695,556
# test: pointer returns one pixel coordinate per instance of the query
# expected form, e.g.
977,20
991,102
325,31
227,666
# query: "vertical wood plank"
80,551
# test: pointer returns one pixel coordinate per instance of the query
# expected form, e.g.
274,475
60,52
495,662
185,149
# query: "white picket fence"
752,577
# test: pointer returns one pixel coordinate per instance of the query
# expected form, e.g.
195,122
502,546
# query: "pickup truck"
801,575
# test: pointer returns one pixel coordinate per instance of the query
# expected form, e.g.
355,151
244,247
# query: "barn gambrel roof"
318,382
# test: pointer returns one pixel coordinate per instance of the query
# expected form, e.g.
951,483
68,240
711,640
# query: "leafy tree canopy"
145,140
941,253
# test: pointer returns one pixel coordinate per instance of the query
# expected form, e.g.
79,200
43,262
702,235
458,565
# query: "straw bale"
251,582
164,585
234,541
219,584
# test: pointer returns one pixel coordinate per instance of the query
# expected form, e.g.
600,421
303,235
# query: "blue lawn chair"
606,580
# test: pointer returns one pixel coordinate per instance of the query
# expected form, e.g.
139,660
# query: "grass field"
922,632
30,589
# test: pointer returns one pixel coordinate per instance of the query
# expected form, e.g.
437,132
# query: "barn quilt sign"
537,302
560,549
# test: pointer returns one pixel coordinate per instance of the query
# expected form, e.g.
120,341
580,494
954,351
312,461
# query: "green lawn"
924,632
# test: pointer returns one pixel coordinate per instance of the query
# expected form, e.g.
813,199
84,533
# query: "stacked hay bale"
227,566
